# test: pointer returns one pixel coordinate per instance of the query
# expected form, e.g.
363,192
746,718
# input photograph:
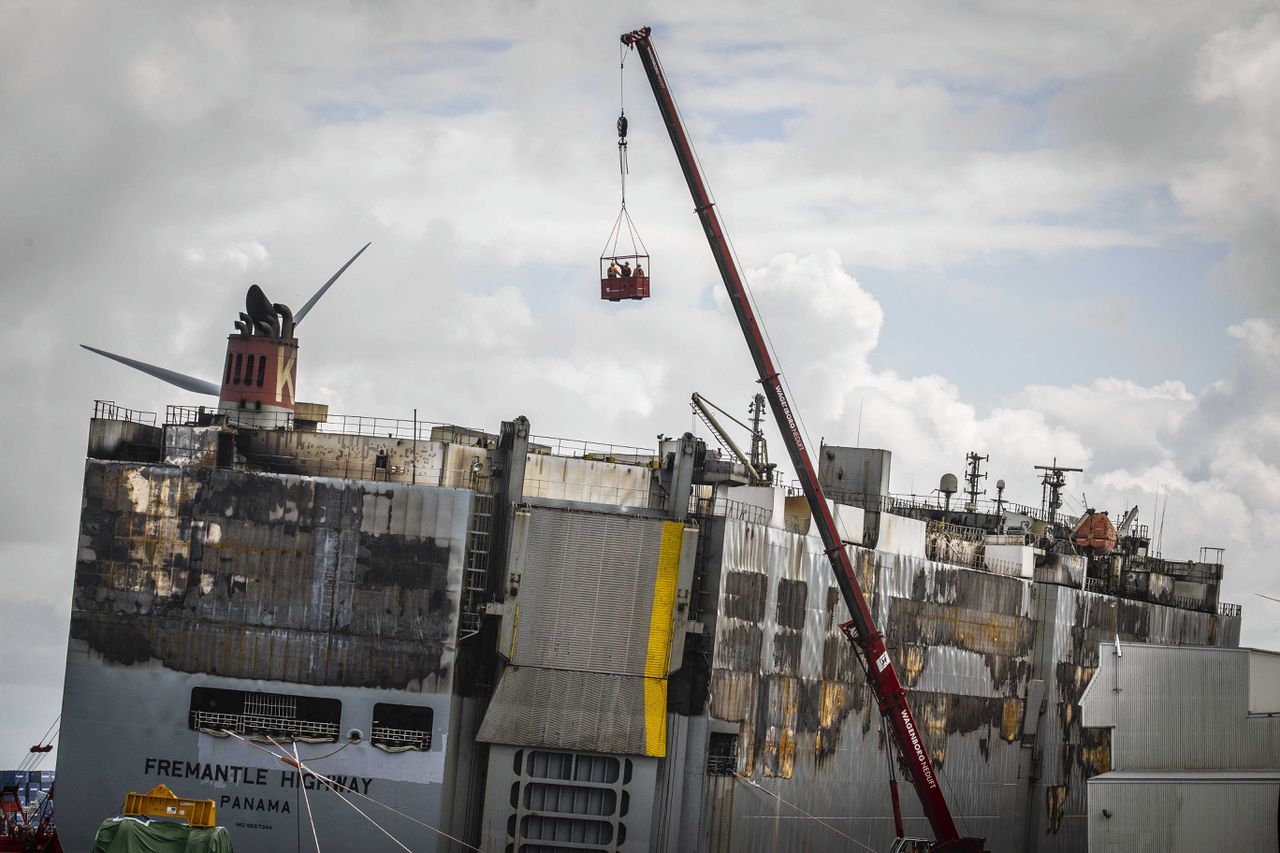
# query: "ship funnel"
261,369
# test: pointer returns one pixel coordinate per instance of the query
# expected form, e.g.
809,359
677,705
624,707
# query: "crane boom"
703,407
868,641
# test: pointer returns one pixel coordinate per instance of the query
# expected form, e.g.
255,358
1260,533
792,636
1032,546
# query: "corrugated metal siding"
564,709
966,644
1180,709
270,576
809,732
587,591
1073,624
1182,816
584,634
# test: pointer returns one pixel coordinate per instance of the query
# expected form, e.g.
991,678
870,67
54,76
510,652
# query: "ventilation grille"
564,802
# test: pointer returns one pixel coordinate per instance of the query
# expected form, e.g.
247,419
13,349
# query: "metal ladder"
475,574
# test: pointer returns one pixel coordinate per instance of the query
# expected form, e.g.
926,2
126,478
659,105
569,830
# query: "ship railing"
376,469
1182,602
998,566
255,724
727,508
939,552
948,530
415,429
588,492
398,739
1186,602
923,506
1008,539
900,504
583,449
109,411
337,424
1181,568
722,765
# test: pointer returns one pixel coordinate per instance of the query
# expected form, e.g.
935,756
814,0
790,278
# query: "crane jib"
867,641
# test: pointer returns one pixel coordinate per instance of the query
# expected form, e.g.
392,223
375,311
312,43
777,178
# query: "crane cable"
622,122
623,221
34,758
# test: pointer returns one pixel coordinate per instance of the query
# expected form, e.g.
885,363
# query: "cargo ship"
486,639
366,633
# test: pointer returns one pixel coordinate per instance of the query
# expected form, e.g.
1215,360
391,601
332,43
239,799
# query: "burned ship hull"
531,645
320,613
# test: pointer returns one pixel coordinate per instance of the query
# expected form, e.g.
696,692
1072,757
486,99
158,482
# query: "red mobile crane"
868,643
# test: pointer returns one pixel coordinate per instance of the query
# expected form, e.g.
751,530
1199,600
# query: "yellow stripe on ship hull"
658,655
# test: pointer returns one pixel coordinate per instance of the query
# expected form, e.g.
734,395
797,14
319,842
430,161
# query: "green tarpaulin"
127,835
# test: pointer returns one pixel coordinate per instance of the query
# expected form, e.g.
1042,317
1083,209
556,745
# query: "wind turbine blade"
182,380
300,314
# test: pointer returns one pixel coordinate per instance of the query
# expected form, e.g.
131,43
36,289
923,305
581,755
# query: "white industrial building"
1195,749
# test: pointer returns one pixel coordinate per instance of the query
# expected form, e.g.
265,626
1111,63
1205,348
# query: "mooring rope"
841,833
334,786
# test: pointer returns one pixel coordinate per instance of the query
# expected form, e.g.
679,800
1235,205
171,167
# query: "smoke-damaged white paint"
125,729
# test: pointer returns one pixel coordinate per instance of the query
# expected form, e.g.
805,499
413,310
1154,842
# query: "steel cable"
765,790
333,786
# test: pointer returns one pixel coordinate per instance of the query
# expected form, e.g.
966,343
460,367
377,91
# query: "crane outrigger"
867,641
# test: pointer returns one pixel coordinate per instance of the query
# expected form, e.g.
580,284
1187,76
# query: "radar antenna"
1052,483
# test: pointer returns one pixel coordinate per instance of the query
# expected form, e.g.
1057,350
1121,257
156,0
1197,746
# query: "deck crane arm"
703,407
867,640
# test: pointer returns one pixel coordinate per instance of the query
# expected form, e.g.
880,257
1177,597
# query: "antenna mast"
1052,483
972,475
759,450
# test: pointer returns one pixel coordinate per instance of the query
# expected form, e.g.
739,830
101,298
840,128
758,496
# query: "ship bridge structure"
531,643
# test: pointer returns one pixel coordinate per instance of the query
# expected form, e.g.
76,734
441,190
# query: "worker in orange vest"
613,268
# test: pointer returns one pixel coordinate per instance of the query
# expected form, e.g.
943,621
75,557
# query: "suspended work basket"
624,263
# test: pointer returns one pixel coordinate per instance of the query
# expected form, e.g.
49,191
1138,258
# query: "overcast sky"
1029,230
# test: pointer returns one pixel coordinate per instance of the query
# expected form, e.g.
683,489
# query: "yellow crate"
163,803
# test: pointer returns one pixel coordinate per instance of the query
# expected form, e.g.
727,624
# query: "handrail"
108,410
1181,602
420,430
